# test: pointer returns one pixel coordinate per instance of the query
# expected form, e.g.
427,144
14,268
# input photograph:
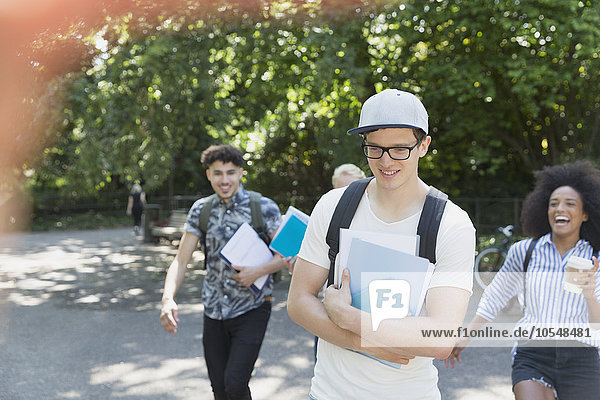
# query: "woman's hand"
455,354
586,280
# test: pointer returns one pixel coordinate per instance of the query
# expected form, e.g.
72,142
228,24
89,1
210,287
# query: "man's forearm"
411,334
273,265
174,279
308,311
310,314
176,271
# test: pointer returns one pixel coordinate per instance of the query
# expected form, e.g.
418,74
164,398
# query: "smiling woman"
562,214
566,215
583,180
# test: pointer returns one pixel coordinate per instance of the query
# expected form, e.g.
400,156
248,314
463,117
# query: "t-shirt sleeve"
314,248
192,223
455,250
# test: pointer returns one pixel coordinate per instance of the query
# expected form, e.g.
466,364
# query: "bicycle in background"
490,259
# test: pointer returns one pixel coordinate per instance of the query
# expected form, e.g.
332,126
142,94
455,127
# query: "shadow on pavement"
79,319
109,269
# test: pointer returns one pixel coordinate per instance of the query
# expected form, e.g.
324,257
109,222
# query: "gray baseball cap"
392,108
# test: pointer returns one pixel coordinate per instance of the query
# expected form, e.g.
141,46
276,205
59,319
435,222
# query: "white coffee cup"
574,265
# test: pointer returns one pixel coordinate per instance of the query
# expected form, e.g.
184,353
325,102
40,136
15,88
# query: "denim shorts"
572,372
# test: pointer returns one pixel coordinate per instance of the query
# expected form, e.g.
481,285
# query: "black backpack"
428,227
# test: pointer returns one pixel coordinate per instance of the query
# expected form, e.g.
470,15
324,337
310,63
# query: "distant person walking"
345,174
562,215
135,206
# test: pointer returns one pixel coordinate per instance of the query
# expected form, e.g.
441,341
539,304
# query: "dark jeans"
573,372
231,348
137,217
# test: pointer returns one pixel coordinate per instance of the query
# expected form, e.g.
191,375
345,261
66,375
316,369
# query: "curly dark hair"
224,153
584,177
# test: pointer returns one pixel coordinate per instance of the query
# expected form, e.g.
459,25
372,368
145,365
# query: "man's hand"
385,354
246,276
337,301
169,316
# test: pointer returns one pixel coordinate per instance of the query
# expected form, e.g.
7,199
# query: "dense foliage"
510,87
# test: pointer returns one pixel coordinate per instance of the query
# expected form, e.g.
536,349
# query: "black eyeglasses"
396,153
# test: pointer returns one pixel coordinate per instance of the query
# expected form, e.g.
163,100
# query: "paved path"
79,319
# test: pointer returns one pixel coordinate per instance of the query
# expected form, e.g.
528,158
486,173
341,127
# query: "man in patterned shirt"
235,320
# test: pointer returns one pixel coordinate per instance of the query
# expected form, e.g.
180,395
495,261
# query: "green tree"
509,87
272,85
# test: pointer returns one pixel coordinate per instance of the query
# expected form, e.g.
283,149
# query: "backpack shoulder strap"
205,213
255,212
525,266
342,218
203,218
528,254
258,222
429,223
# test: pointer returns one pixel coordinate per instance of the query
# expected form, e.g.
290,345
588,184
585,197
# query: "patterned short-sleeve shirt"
223,296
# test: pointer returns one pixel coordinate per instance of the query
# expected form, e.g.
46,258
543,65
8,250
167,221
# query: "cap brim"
371,128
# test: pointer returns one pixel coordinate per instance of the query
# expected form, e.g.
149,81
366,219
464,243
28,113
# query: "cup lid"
580,263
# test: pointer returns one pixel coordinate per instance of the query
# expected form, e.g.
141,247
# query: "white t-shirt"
343,374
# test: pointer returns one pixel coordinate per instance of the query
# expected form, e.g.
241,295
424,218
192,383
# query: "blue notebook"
371,261
368,261
289,238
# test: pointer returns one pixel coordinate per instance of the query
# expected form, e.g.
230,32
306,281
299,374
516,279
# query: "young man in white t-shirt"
394,125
